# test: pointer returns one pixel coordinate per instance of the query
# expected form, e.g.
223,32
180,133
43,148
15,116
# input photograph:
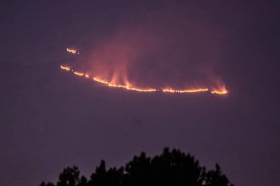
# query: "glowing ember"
71,50
79,73
65,68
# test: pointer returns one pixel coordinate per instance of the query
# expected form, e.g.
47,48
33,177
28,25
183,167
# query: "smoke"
170,47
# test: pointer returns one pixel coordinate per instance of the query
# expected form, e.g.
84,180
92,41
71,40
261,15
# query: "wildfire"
71,50
128,86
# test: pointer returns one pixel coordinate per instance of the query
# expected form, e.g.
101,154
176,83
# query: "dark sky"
50,119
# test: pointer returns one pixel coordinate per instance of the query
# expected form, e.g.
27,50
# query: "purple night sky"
51,119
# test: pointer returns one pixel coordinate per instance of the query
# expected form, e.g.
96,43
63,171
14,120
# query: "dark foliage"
171,168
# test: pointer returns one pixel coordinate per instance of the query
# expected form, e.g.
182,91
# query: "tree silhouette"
171,168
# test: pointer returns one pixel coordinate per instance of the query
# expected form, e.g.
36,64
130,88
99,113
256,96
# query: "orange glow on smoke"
71,50
142,58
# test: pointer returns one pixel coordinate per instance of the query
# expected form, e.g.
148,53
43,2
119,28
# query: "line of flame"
167,90
185,91
122,86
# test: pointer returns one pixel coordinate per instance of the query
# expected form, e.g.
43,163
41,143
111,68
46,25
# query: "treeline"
171,168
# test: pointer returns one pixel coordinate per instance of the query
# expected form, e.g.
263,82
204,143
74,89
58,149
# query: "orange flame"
79,73
73,51
123,86
221,90
65,68
185,91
